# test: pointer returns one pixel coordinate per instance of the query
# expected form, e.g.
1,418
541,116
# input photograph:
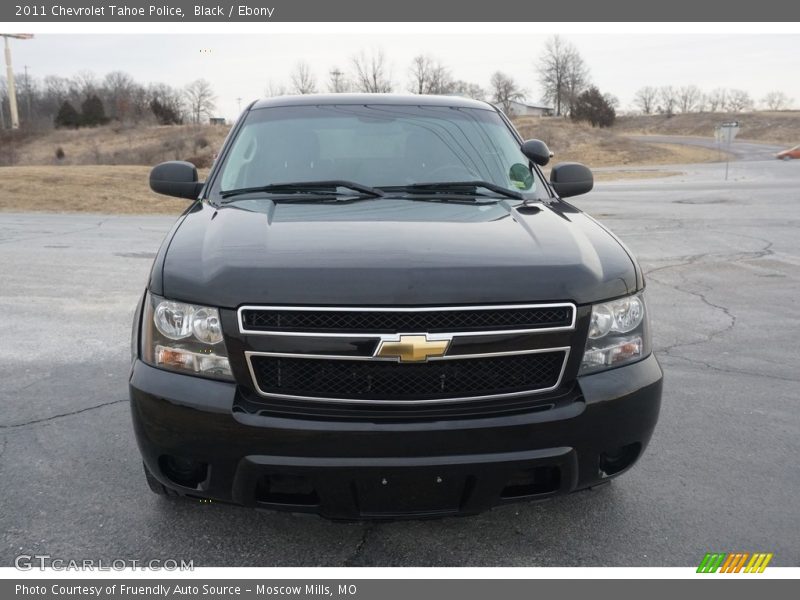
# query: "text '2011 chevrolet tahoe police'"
378,307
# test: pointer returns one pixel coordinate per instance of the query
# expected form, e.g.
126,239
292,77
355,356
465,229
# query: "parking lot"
723,264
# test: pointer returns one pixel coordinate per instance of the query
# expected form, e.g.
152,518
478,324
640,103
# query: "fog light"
183,471
618,459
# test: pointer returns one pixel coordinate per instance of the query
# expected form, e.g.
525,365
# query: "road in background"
741,150
723,267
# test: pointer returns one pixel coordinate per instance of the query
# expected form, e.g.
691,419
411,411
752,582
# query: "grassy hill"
70,170
778,127
122,189
605,147
112,145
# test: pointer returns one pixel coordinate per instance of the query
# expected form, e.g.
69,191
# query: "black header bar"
18,11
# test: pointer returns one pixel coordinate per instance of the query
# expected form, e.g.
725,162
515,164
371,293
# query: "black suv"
377,307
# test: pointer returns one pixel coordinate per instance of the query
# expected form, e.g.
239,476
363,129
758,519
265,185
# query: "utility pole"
12,92
239,102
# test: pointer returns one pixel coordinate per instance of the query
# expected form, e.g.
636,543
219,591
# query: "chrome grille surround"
250,355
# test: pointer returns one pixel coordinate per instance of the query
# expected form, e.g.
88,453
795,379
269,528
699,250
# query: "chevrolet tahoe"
378,307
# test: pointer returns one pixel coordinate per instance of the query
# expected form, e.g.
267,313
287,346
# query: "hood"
392,253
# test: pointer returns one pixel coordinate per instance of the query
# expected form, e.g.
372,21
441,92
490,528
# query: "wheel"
155,485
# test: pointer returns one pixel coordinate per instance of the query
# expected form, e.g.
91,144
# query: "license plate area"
414,491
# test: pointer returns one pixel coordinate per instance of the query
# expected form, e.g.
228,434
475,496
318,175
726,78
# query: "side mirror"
571,179
176,178
537,151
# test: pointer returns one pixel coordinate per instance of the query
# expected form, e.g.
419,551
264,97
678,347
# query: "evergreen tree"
67,116
93,111
593,107
165,114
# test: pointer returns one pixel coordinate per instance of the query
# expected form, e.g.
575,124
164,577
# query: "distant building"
216,121
523,109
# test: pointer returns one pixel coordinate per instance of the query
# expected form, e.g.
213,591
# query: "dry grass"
643,174
125,189
604,148
97,189
777,127
114,144
71,185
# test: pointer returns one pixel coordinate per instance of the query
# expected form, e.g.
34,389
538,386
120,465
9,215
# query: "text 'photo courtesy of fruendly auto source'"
399,299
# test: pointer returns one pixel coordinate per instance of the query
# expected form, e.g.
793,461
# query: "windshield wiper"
467,188
307,187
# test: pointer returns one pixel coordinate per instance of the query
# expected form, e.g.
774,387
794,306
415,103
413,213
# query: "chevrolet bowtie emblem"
412,348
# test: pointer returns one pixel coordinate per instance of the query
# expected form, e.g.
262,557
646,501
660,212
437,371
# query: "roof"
387,99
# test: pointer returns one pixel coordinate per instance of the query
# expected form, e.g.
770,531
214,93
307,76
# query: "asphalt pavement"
723,271
740,149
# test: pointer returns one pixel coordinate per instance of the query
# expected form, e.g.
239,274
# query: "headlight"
619,333
184,337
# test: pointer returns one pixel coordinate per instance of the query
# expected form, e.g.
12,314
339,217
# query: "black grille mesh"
384,380
407,322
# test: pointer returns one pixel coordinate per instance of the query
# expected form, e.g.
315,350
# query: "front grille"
396,382
393,321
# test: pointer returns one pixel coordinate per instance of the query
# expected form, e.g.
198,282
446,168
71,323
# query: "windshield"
375,145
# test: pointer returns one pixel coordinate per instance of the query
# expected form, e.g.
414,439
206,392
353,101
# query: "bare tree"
371,73
200,99
55,90
468,90
776,101
166,103
688,97
27,96
275,89
429,76
420,72
668,96
562,74
738,101
702,102
611,100
85,82
118,90
337,81
578,79
505,91
646,99
303,82
717,99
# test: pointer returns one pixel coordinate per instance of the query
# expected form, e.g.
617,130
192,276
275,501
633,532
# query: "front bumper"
373,469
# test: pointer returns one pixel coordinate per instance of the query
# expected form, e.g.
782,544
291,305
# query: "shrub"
591,106
93,112
165,114
67,116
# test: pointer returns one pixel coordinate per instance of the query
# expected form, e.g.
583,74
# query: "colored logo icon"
737,562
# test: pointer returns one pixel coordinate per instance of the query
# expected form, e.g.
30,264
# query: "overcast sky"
242,65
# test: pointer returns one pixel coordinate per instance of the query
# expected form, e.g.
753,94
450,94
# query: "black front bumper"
374,469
